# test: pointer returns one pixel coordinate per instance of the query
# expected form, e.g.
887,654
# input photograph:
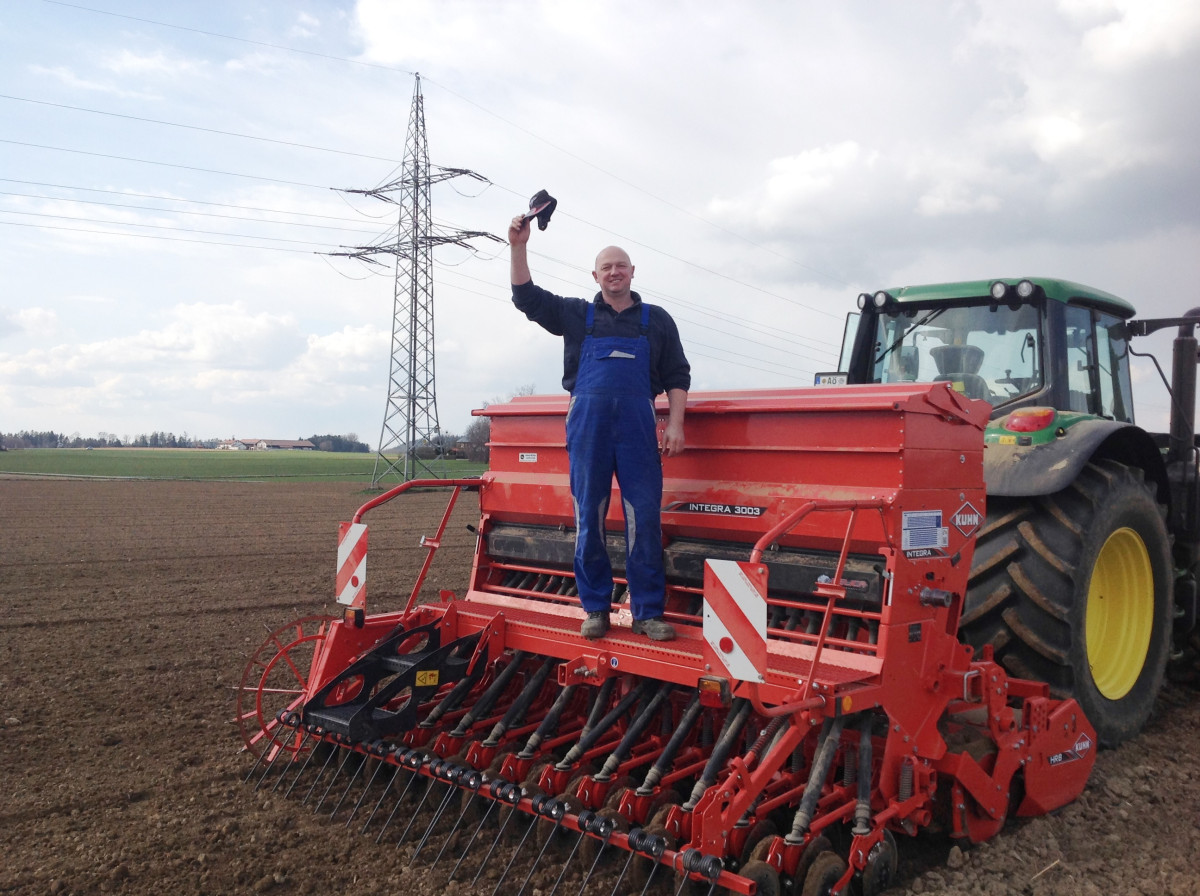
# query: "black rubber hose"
667,757
491,695
549,723
831,734
516,712
634,732
730,733
588,740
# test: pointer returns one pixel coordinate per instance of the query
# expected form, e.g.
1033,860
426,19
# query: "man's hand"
518,236
671,442
518,231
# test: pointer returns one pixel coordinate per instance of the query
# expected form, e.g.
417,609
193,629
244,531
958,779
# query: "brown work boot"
595,626
656,629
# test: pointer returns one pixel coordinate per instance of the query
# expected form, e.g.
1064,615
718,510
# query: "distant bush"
347,443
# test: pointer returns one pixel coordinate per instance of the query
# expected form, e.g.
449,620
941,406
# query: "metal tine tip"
348,753
602,828
312,754
367,750
387,788
279,748
582,820
412,761
551,808
511,794
493,788
434,765
320,774
450,775
472,781
379,750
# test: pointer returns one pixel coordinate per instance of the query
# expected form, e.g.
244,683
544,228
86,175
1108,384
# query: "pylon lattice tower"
410,421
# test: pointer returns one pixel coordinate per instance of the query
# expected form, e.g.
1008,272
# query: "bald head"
614,274
612,254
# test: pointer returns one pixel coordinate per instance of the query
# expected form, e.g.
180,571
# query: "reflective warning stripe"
351,585
735,617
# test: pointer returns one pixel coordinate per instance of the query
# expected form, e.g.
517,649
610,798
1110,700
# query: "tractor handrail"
790,521
470,483
832,590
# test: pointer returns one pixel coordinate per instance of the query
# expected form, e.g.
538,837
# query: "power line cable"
185,212
102,155
151,236
160,198
192,127
248,236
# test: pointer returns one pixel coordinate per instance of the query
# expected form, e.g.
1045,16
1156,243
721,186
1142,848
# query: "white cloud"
69,79
1140,31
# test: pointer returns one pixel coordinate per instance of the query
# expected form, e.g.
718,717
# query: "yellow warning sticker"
427,678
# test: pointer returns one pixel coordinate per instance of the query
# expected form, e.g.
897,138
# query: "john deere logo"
967,519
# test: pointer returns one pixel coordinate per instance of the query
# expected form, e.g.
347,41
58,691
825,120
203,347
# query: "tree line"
12,441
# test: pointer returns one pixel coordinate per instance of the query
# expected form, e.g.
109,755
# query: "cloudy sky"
173,177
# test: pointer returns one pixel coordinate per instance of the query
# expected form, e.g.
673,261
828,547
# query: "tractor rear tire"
1074,589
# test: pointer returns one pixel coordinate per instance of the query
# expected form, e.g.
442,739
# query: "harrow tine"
350,751
650,876
280,750
624,871
379,751
512,858
583,819
649,845
494,787
372,749
320,775
708,866
510,794
413,760
421,805
382,796
270,765
548,807
602,827
258,759
472,780
450,774
296,780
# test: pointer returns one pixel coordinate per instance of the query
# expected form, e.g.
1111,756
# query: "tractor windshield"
986,351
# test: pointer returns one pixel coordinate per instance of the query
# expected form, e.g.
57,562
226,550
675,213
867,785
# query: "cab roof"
1063,291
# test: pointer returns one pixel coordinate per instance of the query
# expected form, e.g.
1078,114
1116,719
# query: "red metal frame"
764,471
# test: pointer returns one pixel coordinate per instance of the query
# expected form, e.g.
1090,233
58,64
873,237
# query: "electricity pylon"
410,420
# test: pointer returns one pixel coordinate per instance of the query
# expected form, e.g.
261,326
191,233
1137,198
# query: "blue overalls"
611,428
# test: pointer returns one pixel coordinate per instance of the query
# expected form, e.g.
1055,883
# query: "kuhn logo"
1083,744
967,519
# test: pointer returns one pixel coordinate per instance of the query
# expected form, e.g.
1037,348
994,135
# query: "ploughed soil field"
128,609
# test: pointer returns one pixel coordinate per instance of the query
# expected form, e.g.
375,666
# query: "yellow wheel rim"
1120,613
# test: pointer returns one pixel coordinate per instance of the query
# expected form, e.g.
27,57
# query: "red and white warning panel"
735,618
352,564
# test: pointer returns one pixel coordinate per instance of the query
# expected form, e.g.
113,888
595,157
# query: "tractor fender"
1021,471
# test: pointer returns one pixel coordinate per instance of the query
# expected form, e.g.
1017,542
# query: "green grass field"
186,463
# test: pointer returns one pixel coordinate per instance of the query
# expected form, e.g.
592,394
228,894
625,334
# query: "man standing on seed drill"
618,353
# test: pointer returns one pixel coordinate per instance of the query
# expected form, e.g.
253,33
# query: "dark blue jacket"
669,368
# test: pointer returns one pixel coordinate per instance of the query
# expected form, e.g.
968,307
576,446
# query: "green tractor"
1085,567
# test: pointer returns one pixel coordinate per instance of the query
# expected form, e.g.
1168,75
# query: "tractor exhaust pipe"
1182,445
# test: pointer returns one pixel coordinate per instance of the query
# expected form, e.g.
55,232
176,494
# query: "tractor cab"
1012,344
